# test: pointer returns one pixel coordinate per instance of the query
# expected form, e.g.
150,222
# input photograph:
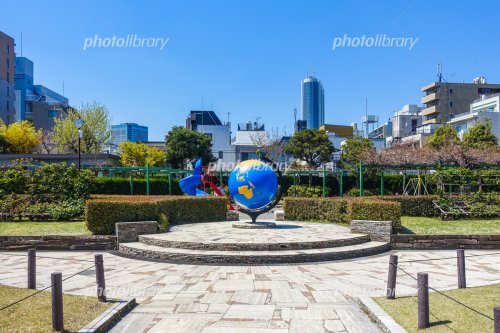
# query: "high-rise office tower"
7,58
313,102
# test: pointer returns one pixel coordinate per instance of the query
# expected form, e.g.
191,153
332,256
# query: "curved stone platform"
219,243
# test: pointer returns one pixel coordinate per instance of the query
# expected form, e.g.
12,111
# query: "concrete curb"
109,317
384,321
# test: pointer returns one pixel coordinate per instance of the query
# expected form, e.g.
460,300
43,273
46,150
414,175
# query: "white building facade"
482,110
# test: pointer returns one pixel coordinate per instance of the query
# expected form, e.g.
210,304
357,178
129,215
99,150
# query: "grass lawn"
431,225
460,319
43,228
34,314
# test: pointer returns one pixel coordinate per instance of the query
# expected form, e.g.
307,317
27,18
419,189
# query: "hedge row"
342,210
102,213
157,186
315,209
418,205
375,210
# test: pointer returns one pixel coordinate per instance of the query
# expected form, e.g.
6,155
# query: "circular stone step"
254,225
184,256
220,236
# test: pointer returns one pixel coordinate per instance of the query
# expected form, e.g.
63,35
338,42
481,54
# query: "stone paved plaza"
281,298
288,232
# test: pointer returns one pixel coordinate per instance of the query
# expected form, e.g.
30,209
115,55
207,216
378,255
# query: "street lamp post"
79,124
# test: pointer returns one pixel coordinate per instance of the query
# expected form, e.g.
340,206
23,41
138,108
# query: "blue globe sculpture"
253,184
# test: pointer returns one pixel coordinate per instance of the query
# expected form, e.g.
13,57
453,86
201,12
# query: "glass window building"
313,102
128,132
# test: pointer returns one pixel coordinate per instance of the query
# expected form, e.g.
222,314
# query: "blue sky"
248,57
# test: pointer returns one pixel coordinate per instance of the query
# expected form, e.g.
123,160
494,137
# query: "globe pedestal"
254,225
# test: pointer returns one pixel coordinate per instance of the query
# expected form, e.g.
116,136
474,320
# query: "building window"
8,48
8,92
451,104
209,135
451,90
8,63
221,154
8,77
8,109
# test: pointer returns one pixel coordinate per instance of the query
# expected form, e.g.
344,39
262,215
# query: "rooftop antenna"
440,72
366,115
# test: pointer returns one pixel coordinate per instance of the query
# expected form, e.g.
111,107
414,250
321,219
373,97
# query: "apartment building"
444,100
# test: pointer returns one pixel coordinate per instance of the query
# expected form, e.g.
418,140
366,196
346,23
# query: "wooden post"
31,269
461,269
99,276
391,279
57,302
423,300
496,317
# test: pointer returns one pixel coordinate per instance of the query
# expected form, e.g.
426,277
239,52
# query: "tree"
19,137
4,144
183,146
47,141
480,136
138,155
311,146
355,150
444,135
270,143
96,130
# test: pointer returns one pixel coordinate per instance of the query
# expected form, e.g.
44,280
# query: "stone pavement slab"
277,298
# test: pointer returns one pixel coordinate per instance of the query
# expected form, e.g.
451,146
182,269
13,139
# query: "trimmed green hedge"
418,205
157,186
315,209
342,210
375,210
186,209
102,213
308,191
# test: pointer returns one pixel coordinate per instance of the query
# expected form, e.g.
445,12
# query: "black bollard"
57,302
461,269
31,269
496,317
99,276
391,279
423,300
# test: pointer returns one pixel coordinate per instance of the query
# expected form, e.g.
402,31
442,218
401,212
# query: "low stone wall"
130,231
233,215
378,230
83,242
443,242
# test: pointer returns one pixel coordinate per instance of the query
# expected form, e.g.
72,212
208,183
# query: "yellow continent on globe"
246,191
